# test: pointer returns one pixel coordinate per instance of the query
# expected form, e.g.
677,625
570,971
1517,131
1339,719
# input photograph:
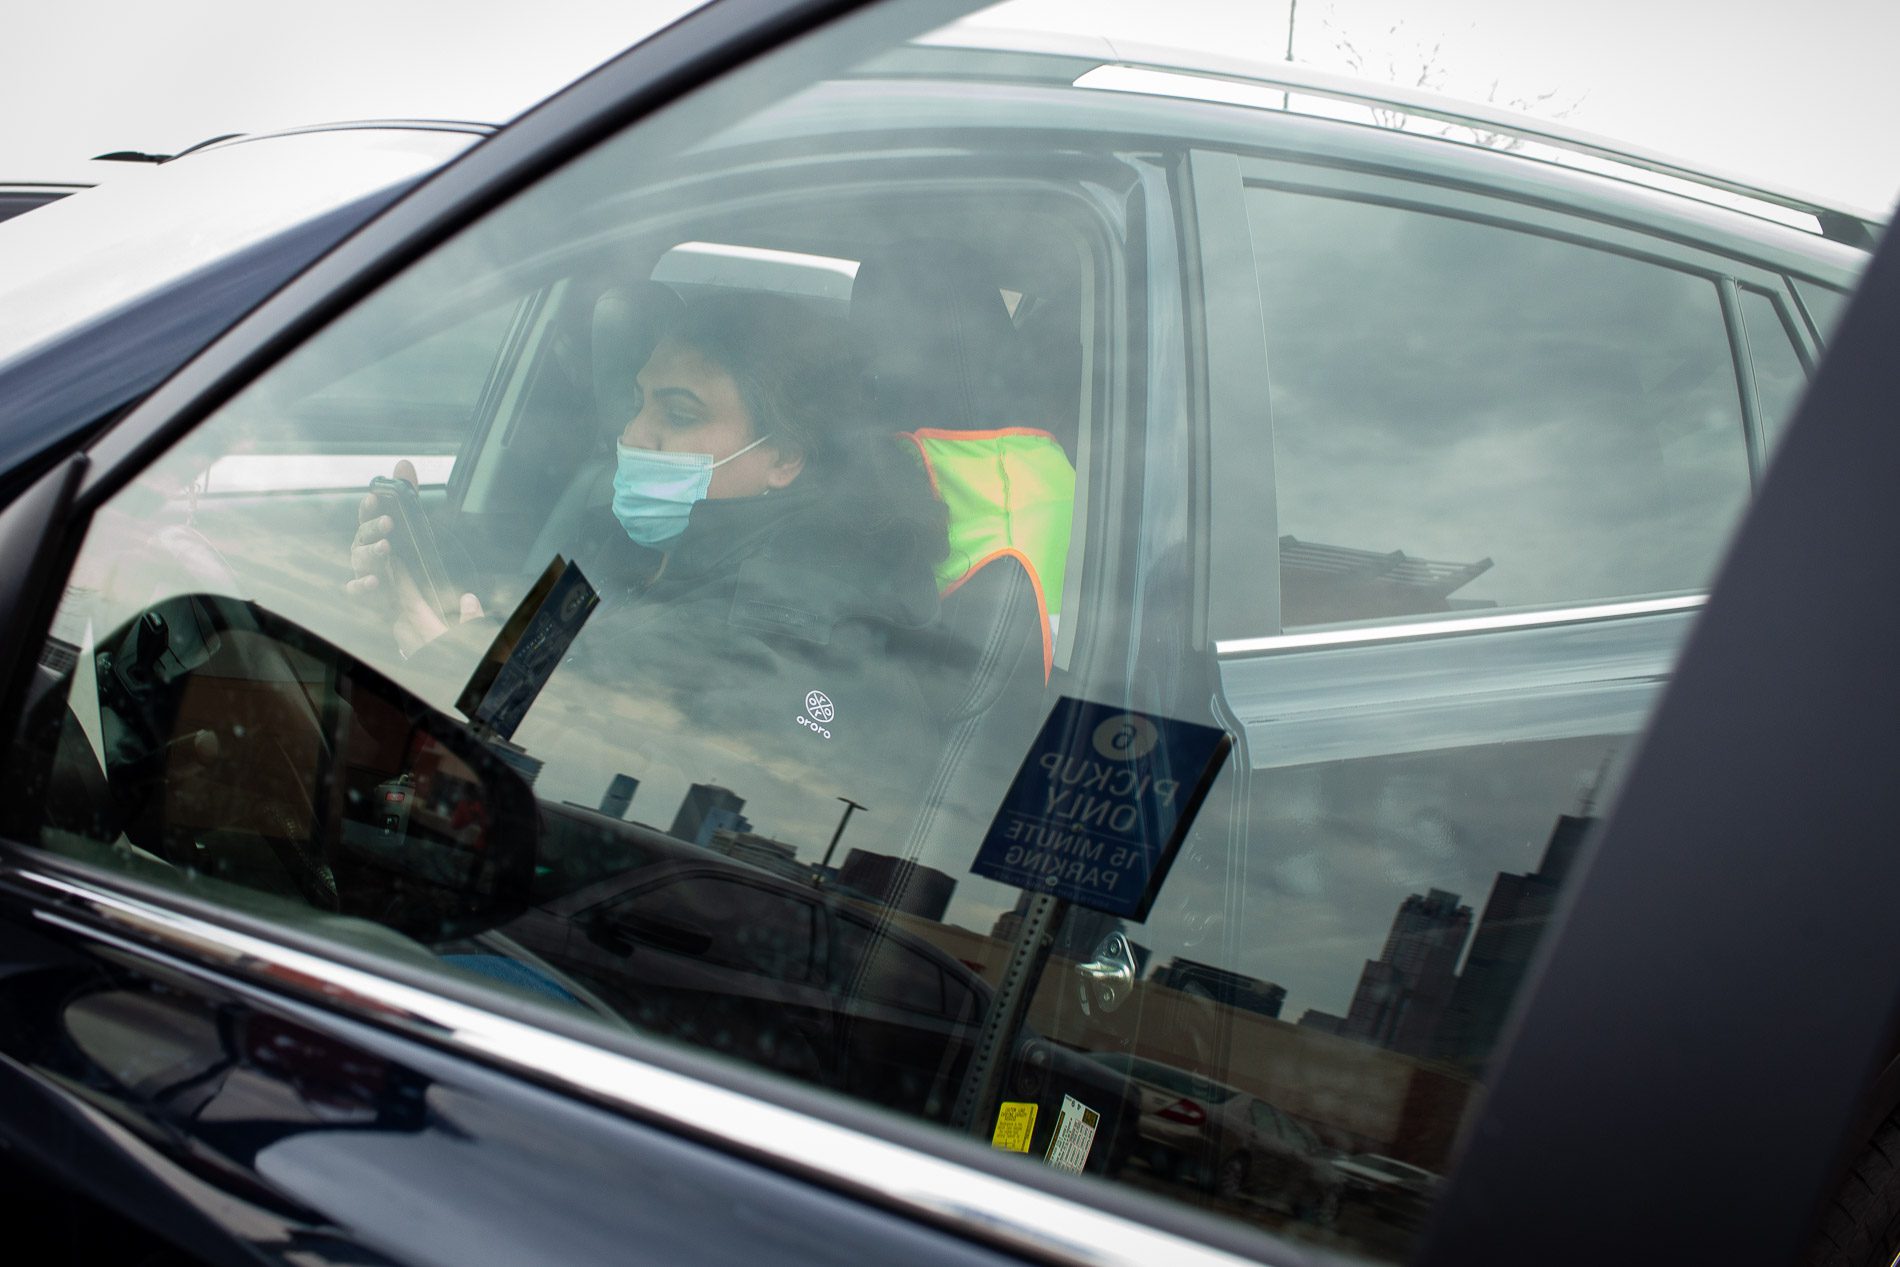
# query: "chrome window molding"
980,1206
1362,635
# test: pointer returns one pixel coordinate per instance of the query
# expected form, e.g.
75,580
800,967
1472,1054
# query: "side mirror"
240,746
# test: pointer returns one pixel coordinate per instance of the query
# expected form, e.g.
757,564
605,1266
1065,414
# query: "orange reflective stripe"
955,433
1042,603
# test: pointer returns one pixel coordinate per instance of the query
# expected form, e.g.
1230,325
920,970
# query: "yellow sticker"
1015,1123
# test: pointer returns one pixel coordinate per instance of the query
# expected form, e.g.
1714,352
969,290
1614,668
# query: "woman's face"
690,405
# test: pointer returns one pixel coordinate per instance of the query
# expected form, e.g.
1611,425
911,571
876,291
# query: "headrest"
935,335
629,322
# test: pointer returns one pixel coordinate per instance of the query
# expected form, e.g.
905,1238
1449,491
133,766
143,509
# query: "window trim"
1412,630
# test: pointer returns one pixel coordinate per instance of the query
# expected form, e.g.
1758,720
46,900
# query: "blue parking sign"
1100,806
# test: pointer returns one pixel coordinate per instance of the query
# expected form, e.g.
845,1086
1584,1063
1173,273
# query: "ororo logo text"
819,710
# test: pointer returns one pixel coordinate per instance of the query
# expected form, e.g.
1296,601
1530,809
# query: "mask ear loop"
741,452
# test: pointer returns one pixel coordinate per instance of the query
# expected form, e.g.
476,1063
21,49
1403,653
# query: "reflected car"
1397,1188
1231,1142
793,977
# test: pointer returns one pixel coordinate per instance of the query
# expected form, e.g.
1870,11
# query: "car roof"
90,254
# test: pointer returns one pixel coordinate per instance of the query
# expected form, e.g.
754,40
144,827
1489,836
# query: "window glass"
782,466
418,399
720,922
874,966
1826,306
442,371
1467,416
1780,377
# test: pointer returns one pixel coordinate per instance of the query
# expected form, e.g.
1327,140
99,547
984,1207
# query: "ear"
788,460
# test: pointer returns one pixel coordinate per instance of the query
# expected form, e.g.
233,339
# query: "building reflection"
1404,992
1519,910
1414,1000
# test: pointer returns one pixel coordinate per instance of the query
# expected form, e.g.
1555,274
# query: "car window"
875,966
419,398
794,648
1515,419
719,921
1826,305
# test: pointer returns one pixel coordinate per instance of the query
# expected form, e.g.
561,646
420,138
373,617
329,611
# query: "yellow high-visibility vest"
1011,495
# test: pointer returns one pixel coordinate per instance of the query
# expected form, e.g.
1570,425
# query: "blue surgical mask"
654,490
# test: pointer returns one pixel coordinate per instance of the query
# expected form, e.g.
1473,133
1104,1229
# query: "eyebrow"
676,393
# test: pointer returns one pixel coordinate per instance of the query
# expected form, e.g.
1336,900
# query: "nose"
639,433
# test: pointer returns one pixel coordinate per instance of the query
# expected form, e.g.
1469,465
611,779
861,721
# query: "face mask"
654,491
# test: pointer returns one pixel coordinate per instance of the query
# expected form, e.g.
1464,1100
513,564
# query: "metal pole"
849,807
985,1079
1292,7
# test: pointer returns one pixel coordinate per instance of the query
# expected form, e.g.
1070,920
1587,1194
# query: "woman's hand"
382,578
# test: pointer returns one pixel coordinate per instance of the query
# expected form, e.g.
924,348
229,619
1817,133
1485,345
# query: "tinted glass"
721,922
1467,416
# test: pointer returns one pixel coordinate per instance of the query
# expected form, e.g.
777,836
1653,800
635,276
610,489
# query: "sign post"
1096,813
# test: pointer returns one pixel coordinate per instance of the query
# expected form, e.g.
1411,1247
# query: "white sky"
1795,95
87,76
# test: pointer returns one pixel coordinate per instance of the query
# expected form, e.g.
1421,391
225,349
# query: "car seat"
944,370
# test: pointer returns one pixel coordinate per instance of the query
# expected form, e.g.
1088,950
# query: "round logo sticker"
819,705
1129,737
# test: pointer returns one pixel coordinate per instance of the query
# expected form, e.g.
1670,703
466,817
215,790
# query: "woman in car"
766,553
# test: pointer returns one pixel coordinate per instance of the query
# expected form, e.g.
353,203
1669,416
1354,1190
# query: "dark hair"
800,379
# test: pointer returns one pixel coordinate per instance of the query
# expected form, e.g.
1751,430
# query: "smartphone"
413,541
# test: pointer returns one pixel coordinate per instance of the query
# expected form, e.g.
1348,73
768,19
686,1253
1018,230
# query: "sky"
1797,95
94,75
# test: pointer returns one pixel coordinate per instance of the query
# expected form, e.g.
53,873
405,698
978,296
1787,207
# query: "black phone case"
413,541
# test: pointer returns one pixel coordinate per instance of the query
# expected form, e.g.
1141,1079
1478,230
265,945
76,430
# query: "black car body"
257,1015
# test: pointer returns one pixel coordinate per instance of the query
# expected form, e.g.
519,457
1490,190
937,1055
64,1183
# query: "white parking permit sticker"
1074,1136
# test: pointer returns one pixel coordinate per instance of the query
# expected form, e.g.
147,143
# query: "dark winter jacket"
776,649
